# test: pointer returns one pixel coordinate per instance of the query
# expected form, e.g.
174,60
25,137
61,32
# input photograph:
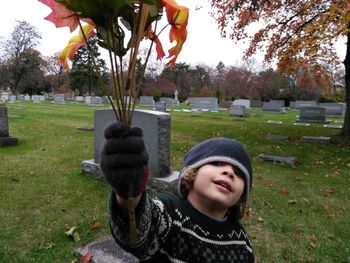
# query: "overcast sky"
203,46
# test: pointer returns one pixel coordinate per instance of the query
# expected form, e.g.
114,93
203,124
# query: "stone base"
8,141
312,121
155,184
105,250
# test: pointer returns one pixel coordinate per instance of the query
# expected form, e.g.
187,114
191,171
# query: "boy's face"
216,188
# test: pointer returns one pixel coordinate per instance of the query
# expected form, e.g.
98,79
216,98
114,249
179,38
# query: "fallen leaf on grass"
95,224
313,238
48,246
260,219
306,201
86,258
73,233
329,191
284,191
312,244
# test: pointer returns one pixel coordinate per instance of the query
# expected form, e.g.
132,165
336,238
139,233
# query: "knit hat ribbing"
222,150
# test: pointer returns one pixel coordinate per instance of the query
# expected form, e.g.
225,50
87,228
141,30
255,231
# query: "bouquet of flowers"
120,26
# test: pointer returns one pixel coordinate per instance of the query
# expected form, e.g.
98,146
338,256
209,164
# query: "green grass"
43,192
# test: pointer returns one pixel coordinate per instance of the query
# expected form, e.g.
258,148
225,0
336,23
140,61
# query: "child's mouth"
223,184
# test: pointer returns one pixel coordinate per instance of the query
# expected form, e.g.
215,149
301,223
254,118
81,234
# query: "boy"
201,224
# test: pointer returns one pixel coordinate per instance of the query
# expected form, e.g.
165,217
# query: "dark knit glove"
124,159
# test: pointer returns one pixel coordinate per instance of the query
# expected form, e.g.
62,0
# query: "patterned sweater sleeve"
153,224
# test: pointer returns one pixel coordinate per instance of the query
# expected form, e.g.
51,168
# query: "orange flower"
177,16
74,44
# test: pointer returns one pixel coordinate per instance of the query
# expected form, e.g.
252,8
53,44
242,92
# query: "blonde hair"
236,212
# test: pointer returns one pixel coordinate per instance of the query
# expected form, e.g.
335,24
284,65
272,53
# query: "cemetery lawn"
297,213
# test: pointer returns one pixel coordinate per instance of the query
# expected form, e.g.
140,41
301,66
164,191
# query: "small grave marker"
317,139
332,126
274,122
279,159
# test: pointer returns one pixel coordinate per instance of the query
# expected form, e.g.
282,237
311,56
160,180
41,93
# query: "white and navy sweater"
170,229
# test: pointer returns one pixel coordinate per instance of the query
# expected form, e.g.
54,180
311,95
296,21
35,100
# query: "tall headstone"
58,98
312,115
237,110
205,103
272,106
5,139
245,103
146,101
333,109
156,131
176,93
305,103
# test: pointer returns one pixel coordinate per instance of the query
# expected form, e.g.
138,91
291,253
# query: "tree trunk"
346,126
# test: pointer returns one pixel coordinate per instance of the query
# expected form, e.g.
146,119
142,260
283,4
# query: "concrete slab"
105,250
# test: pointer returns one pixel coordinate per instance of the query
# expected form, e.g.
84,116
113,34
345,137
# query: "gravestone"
5,139
273,107
13,98
156,130
88,99
292,104
312,115
237,110
26,97
333,126
241,102
58,98
105,99
5,96
278,102
42,98
305,103
205,103
333,109
176,93
79,99
146,101
35,98
95,101
169,101
160,106
277,137
317,139
291,160
274,122
21,97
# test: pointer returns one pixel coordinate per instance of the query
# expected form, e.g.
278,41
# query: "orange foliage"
286,30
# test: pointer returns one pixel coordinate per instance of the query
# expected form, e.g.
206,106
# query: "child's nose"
228,171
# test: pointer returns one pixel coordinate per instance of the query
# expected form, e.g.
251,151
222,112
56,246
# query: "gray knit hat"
219,150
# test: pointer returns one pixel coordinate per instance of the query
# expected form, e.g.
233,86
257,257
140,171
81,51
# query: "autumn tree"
291,32
21,64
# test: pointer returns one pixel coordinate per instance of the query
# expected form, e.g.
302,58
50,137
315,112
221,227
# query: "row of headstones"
57,98
335,109
197,103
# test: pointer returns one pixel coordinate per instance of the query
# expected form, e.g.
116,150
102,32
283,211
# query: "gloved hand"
124,159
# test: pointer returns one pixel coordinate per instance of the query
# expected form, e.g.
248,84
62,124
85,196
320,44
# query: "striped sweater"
170,229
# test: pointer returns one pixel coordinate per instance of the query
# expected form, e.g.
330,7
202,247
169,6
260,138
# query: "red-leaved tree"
292,32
